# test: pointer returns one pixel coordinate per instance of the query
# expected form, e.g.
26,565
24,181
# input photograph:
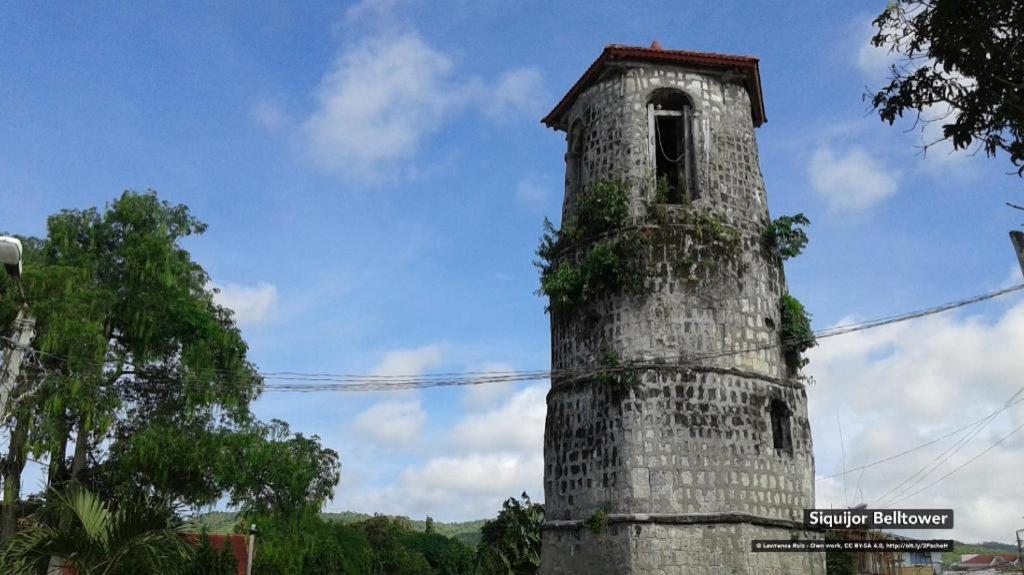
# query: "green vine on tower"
613,252
613,260
785,238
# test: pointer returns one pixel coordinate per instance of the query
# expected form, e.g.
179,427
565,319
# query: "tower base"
652,548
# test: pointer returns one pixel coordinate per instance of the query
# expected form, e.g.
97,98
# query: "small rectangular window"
782,438
673,150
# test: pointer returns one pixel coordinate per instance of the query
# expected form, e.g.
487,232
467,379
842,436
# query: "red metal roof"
239,546
746,65
989,559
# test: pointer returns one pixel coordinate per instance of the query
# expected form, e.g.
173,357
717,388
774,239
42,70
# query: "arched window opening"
670,114
573,161
782,438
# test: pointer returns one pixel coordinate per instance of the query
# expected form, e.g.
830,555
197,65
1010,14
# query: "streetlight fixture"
10,255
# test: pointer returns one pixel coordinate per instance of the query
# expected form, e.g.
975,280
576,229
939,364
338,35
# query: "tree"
209,561
148,378
134,344
94,538
510,543
272,471
961,58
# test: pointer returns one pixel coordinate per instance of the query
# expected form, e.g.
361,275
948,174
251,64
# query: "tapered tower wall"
685,464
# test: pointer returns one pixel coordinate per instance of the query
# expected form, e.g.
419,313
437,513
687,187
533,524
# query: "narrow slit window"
782,438
573,176
672,143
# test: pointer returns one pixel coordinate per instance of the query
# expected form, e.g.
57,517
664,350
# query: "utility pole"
251,549
1020,552
1017,239
24,331
24,326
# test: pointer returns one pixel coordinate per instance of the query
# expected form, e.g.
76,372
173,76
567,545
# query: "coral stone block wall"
686,463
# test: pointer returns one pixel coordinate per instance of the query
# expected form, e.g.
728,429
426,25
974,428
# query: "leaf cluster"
708,242
613,373
209,561
796,333
612,261
510,543
96,538
785,237
960,57
598,521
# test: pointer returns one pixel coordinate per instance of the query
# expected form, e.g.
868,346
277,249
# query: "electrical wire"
294,381
961,466
921,474
923,445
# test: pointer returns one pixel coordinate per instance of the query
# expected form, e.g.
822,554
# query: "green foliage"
390,552
795,333
602,208
510,543
612,262
597,522
962,57
614,373
446,556
785,237
132,335
304,543
709,241
209,561
272,471
95,538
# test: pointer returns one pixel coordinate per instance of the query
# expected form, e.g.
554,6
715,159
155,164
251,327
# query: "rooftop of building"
746,66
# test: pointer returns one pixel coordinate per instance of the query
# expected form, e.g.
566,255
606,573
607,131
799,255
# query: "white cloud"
519,91
392,423
516,425
484,459
409,361
365,10
484,395
389,90
252,305
460,487
852,180
903,385
873,62
398,423
381,97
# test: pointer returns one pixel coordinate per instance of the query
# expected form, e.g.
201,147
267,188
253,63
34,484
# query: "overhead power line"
296,381
897,492
963,465
926,444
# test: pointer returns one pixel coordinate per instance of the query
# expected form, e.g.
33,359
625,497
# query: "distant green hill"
984,548
467,532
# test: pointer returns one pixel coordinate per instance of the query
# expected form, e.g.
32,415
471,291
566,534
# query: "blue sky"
375,175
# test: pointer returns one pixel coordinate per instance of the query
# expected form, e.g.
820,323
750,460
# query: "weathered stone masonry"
687,464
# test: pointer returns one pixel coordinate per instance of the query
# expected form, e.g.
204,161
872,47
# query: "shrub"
796,333
785,236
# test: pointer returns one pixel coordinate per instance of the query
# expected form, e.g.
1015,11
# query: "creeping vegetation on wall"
785,236
796,333
614,373
709,242
597,522
613,260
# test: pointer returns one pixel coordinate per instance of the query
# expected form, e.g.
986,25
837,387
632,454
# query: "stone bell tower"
709,447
